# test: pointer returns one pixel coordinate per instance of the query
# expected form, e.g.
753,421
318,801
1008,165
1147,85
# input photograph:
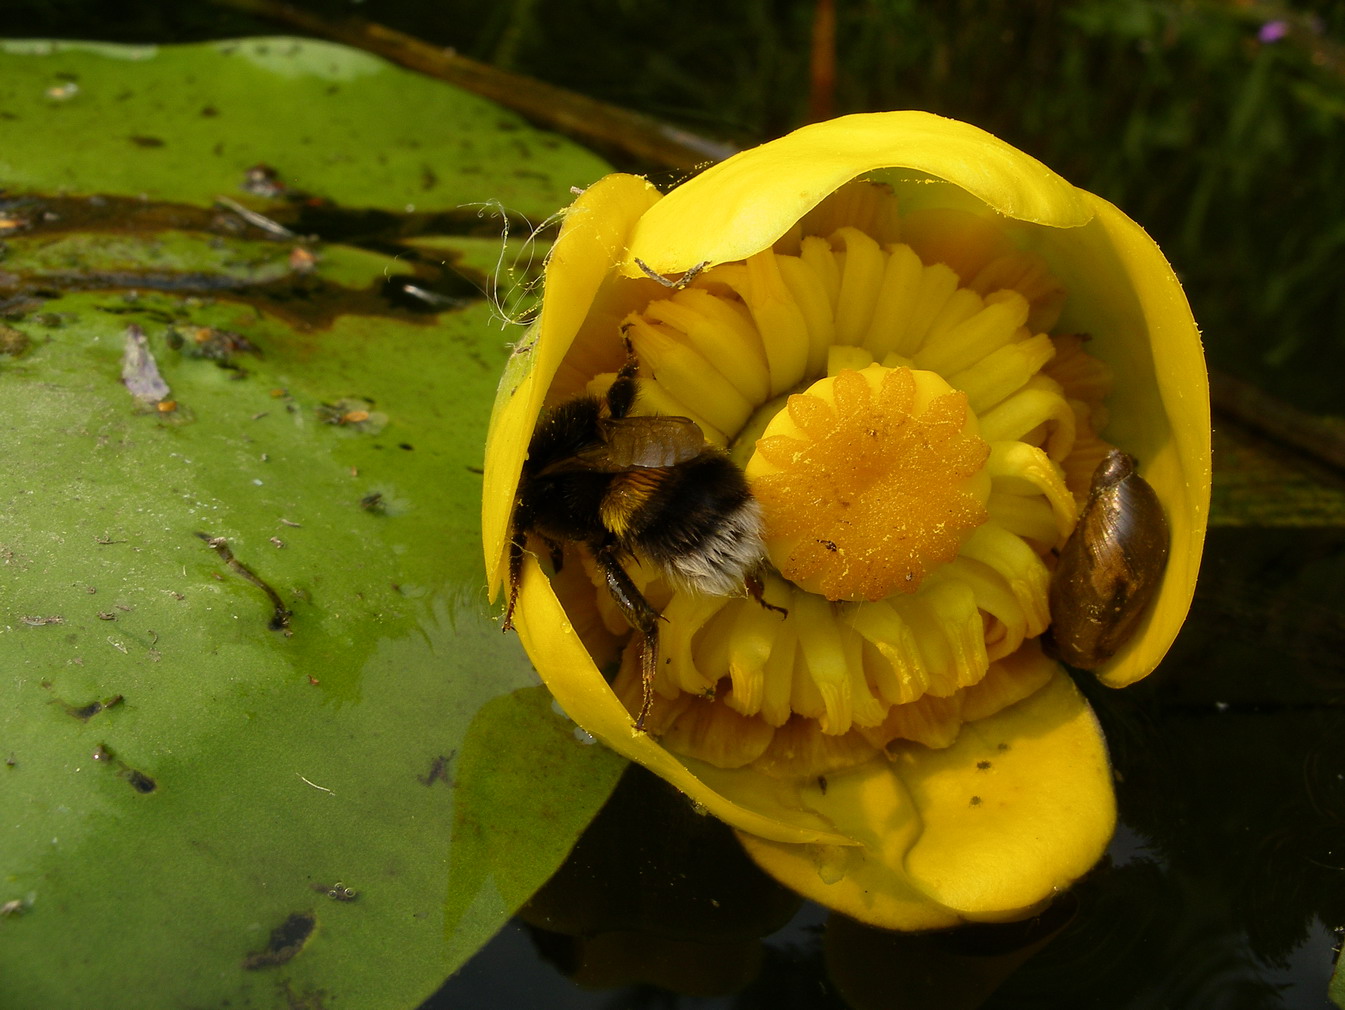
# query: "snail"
1110,567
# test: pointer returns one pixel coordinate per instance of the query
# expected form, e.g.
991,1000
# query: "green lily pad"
186,122
250,669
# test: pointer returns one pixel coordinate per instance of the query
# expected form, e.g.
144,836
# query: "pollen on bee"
628,493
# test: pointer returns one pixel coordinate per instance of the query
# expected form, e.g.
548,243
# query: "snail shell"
1110,566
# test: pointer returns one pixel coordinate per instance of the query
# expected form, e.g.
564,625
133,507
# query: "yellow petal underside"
592,239
742,205
985,830
1124,295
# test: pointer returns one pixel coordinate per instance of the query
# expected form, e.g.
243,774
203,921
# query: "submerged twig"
1283,422
255,219
280,619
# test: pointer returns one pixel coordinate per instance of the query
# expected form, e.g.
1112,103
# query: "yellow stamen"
862,269
775,310
715,733
722,332
1002,372
1020,469
810,293
687,375
987,327
1038,409
902,279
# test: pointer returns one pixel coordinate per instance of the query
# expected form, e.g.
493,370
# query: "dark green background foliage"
1228,150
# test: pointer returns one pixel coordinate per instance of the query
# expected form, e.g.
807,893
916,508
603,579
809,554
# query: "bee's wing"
644,442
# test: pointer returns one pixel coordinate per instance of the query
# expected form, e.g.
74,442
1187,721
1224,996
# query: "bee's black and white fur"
644,487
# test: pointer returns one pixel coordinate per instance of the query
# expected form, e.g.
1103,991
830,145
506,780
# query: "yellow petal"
742,205
1126,297
596,229
1015,811
974,832
866,882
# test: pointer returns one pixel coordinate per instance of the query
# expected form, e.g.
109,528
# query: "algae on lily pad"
246,361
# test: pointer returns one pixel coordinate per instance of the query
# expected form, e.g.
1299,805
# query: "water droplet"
833,862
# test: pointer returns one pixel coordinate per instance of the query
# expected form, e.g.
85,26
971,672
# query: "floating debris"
286,941
36,621
353,412
12,342
280,615
254,218
264,180
62,92
211,343
139,372
302,261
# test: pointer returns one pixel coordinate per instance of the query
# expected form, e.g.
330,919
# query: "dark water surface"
1224,887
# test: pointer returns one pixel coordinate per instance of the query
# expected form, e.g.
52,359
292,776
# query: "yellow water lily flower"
918,343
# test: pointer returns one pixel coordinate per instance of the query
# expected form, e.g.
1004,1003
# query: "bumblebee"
636,487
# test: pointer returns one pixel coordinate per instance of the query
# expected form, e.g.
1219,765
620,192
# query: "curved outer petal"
1125,296
579,687
986,830
591,241
742,205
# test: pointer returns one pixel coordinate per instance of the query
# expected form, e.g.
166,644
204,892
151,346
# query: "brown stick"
1272,417
587,120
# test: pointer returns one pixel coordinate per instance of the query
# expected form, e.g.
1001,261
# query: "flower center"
918,442
869,480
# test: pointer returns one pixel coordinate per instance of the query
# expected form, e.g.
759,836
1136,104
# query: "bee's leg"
640,615
557,553
621,393
756,589
515,578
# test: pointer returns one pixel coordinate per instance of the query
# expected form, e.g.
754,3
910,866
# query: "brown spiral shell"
1110,566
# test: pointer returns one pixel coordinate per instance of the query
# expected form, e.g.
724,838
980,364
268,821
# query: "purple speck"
1273,31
